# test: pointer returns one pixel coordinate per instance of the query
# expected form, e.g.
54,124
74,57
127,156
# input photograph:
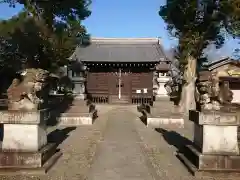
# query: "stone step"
77,119
122,100
83,108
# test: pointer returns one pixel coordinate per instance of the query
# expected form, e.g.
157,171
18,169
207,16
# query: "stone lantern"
161,77
77,73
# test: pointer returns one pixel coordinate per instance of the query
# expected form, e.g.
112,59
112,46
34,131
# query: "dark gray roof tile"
121,50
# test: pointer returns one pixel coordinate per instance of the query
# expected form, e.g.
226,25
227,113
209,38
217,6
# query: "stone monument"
25,148
215,148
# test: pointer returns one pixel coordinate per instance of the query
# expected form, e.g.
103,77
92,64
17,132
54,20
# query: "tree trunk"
187,101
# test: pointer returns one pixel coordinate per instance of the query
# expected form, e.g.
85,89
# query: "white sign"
138,91
145,90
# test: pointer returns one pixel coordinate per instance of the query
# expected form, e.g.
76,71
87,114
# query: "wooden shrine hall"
117,70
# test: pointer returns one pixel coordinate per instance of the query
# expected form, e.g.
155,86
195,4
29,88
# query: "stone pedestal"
15,137
215,148
79,113
24,147
163,114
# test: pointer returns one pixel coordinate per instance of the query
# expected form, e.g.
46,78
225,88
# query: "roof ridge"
125,40
121,50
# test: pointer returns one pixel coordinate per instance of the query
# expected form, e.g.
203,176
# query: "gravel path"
119,155
117,146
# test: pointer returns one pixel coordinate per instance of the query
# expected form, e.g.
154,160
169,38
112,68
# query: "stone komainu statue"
225,96
213,94
22,93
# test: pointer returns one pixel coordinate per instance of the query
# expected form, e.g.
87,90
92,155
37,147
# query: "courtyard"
117,146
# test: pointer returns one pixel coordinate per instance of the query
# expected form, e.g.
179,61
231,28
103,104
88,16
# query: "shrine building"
119,70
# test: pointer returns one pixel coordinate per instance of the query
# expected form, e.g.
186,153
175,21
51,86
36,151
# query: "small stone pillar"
25,148
215,148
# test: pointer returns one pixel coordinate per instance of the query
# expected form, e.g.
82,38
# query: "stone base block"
208,164
77,119
14,162
211,139
24,137
165,122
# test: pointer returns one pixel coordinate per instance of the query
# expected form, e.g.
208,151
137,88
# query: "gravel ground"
161,146
78,147
83,148
119,155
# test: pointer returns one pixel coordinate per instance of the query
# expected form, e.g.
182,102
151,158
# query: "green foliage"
43,35
198,23
68,11
230,10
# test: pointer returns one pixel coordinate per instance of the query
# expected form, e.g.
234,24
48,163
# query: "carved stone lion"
22,93
213,95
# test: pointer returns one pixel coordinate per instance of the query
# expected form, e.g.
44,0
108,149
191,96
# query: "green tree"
197,24
45,33
22,44
48,12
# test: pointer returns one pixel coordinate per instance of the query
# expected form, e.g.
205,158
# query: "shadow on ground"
175,139
143,111
143,118
59,135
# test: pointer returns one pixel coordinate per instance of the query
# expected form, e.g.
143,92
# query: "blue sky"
129,18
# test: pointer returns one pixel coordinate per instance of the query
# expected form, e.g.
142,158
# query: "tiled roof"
121,50
223,62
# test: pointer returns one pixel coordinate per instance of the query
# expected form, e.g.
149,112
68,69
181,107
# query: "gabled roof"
120,50
223,62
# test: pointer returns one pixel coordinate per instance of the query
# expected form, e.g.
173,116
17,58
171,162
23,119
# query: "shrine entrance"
119,86
120,70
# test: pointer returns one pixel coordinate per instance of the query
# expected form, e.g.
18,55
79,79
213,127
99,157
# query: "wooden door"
126,84
119,87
